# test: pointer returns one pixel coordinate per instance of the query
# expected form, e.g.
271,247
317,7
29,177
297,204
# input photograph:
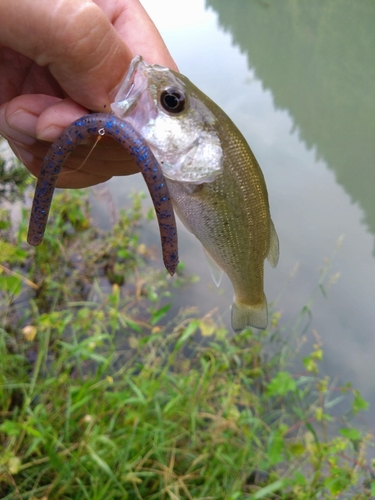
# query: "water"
298,79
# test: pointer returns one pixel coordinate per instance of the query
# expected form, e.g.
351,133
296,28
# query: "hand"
61,59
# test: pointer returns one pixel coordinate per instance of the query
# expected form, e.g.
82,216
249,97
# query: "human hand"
61,59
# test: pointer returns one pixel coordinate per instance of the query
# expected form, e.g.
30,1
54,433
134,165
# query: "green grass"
104,394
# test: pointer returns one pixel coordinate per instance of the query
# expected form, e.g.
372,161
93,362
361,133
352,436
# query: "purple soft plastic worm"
106,124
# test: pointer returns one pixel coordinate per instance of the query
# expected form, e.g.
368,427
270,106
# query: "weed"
104,396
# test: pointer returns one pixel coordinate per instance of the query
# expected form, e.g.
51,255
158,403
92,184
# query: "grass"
105,395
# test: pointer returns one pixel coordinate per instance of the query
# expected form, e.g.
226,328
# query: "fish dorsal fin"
215,269
273,253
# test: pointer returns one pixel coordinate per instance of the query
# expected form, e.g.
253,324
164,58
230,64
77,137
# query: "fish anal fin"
273,252
245,315
215,270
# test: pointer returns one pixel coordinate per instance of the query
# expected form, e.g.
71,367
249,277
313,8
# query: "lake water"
298,79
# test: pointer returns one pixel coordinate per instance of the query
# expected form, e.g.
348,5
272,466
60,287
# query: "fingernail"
24,122
50,133
12,134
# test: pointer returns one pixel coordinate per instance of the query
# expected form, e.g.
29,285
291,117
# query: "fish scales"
223,223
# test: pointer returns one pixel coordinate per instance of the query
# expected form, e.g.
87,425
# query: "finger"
32,103
55,118
100,159
20,124
20,75
12,134
24,114
77,173
85,166
75,39
138,31
105,153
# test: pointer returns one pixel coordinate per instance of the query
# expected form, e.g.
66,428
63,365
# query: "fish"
100,124
215,182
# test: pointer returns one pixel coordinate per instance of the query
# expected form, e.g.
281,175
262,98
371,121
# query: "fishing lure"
105,124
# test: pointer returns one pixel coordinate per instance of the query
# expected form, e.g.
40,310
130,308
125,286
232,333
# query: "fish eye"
172,100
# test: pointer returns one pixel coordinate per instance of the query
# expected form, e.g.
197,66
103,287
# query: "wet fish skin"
225,207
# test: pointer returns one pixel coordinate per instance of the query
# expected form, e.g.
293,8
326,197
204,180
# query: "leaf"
80,403
138,392
102,464
299,478
281,384
276,446
312,430
359,403
133,325
123,254
10,428
157,315
270,488
10,284
336,484
352,434
31,431
189,331
207,327
297,448
11,253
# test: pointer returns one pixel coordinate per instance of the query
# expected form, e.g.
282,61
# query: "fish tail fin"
244,315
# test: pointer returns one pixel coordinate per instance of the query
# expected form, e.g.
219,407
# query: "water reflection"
318,59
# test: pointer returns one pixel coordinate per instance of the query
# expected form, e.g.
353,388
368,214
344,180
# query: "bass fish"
216,185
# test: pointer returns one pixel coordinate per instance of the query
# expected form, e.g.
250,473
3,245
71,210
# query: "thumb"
77,42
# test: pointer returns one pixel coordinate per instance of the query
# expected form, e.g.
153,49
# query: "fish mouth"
136,82
141,77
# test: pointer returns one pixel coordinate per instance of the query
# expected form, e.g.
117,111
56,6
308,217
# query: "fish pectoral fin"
245,315
215,269
191,189
273,252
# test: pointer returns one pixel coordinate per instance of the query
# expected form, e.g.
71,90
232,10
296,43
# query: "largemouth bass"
215,182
